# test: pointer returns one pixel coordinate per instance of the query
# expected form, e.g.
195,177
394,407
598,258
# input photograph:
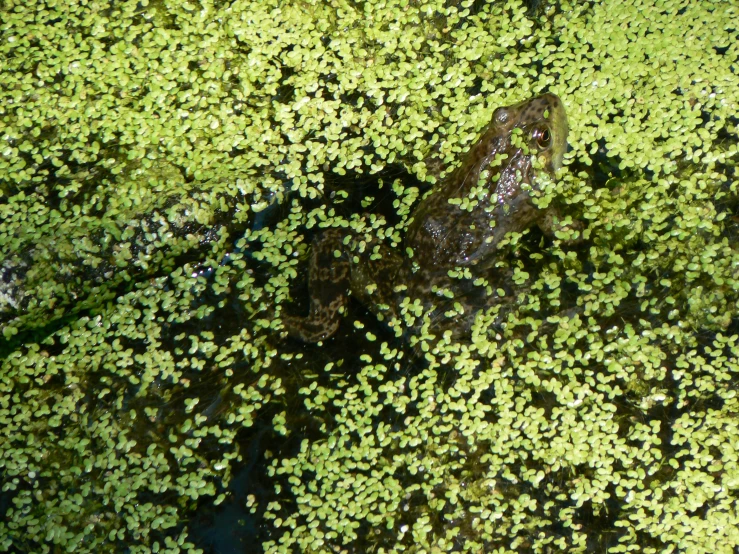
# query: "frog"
453,237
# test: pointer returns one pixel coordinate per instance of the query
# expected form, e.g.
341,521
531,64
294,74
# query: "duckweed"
161,163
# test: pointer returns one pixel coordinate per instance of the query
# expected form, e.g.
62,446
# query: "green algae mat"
164,166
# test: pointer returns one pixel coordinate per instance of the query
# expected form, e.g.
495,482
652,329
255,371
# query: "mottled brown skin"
496,177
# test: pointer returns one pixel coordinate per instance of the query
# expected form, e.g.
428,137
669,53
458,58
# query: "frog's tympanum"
446,266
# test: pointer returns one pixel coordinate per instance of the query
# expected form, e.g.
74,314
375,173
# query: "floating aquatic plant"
145,146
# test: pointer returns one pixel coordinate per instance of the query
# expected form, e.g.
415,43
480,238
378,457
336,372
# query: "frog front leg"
552,222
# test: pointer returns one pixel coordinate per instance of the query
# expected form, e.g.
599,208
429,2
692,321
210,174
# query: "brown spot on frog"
455,230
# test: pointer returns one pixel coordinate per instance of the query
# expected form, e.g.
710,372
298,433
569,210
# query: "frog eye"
543,137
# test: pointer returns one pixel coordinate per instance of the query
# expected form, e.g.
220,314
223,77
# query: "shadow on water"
231,528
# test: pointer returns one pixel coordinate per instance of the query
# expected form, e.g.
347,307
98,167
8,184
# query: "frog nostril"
500,116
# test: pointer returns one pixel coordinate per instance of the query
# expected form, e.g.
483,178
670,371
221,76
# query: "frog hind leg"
374,278
328,285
